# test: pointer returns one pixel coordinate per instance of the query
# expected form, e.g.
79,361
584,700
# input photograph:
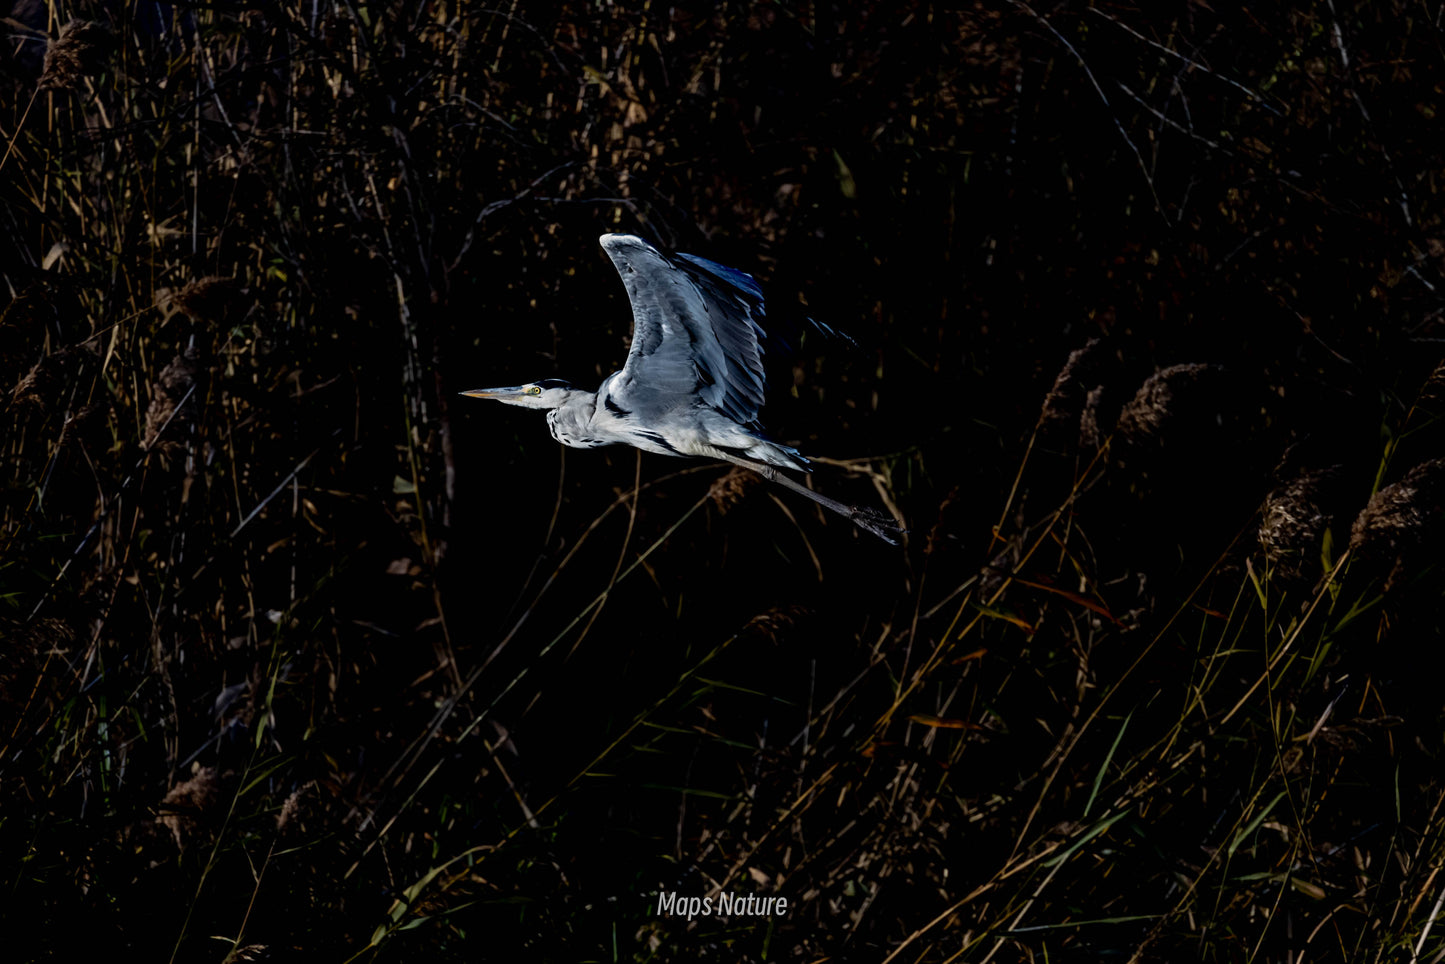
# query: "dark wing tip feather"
828,331
741,280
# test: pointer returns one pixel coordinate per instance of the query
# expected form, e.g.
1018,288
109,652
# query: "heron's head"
546,394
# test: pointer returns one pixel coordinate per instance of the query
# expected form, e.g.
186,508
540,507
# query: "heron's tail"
776,453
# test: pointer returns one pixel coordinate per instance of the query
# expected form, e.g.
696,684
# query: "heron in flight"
693,381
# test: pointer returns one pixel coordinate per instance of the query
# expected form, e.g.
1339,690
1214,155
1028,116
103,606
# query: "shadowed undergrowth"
303,656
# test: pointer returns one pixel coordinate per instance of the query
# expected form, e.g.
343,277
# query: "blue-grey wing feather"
695,336
740,280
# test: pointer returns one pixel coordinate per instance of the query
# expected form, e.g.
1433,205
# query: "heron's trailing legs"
870,520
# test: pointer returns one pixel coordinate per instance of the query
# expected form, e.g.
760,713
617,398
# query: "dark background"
306,656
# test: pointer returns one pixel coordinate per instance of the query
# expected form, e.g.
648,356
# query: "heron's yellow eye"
535,390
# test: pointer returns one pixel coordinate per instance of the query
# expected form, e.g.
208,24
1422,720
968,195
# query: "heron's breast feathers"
571,423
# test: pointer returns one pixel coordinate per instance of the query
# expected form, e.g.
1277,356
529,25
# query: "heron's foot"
878,523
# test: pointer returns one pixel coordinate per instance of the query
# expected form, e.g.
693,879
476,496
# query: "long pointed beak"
515,391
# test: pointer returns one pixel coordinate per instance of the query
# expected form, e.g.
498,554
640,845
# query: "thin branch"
1143,168
1192,64
1171,122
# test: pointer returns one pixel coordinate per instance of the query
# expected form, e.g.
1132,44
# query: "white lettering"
668,902
672,904
751,905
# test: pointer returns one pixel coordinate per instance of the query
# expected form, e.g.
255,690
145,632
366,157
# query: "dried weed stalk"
777,621
33,307
1432,396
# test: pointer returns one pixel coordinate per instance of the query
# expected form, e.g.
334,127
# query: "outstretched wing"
695,333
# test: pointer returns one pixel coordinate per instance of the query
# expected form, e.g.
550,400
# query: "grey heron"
693,381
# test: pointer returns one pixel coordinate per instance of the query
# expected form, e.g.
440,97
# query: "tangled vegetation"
305,657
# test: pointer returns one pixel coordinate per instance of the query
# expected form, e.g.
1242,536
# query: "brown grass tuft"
86,424
776,621
206,299
187,805
729,490
1399,519
79,51
47,378
36,386
1294,520
299,810
1076,387
1160,400
171,388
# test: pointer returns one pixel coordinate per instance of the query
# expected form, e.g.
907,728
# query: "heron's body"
587,420
693,382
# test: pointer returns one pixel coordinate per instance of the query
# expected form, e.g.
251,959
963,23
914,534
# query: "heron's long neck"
571,422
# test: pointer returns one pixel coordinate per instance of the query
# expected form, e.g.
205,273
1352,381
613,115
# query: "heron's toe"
878,523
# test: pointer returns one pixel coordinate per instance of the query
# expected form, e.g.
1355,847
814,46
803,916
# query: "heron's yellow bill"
509,392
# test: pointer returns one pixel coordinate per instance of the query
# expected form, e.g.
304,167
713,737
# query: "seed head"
79,51
1160,400
729,490
1295,518
170,390
206,299
1399,518
1066,399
